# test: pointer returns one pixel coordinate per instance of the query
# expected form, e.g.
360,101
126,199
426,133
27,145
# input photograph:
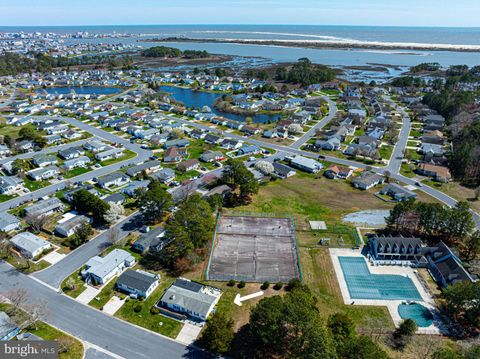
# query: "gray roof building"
29,244
8,222
43,207
139,283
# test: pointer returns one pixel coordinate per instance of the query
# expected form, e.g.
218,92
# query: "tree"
472,246
290,327
17,298
190,228
115,211
404,334
295,128
362,347
218,335
154,202
36,222
341,327
20,166
88,203
265,167
37,311
237,176
80,236
463,304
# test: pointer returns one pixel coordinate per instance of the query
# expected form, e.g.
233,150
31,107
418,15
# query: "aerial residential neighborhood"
239,191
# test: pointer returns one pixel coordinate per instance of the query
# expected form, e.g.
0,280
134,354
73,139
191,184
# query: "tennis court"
364,285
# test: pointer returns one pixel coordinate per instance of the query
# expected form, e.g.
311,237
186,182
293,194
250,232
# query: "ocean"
338,57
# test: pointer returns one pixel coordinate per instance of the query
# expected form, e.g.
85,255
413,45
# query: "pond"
199,99
81,90
368,218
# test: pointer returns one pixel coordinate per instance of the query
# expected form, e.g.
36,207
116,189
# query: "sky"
458,13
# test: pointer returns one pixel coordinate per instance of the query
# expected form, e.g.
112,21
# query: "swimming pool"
421,315
364,285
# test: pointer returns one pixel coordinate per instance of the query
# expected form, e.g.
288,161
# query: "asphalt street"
93,326
56,273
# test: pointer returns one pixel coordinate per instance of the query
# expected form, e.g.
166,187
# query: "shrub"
231,283
241,284
278,286
154,310
138,308
294,283
265,285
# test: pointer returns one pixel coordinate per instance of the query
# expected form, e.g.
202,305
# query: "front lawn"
155,322
6,197
127,154
104,296
73,285
407,170
35,185
77,172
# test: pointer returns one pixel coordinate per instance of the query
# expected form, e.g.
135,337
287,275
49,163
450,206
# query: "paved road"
319,125
93,326
55,274
142,155
398,152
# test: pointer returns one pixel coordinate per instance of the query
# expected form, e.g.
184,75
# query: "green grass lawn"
155,322
407,170
183,176
78,285
6,197
35,185
415,133
126,156
24,265
76,172
386,151
104,296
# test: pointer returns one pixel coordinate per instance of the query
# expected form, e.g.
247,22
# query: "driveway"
189,333
88,295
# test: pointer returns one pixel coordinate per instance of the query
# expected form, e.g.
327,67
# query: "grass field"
407,170
78,285
5,197
127,154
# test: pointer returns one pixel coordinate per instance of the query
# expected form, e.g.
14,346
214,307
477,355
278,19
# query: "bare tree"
65,344
36,222
37,311
17,298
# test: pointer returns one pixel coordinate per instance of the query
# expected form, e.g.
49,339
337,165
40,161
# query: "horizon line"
264,24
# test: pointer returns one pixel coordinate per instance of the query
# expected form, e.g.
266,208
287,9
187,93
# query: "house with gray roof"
8,330
71,152
138,283
109,154
9,222
10,184
305,164
397,192
44,207
133,186
153,240
99,270
148,167
81,161
68,227
190,298
40,174
113,180
282,171
29,244
212,156
43,160
165,175
367,180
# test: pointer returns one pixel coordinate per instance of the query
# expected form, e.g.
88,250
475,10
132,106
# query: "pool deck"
436,328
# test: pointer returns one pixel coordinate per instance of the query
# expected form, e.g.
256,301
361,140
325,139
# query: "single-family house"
44,160
30,245
10,184
438,173
99,270
153,240
131,189
40,174
335,171
190,298
367,180
71,152
115,179
67,227
137,283
165,175
9,222
188,165
180,143
211,156
147,167
174,154
44,207
283,171
115,152
305,164
397,192
81,161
